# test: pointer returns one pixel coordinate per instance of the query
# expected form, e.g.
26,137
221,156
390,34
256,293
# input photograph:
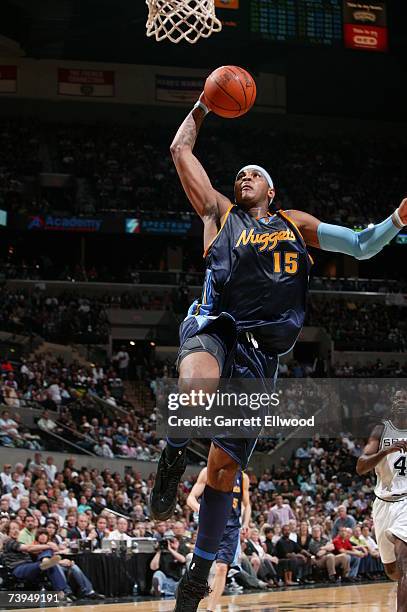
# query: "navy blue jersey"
257,276
234,518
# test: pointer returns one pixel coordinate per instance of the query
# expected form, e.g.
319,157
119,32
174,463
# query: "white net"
179,20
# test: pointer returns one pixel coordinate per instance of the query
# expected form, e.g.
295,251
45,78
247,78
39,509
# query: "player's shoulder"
378,430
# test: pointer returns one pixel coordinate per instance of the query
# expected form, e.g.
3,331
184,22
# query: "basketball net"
179,20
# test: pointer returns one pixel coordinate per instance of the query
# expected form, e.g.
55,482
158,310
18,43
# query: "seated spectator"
247,576
101,531
9,435
120,533
266,485
6,480
13,498
368,565
81,529
73,573
323,551
4,528
27,534
299,567
46,423
5,510
343,545
343,520
264,564
17,559
377,567
167,565
54,536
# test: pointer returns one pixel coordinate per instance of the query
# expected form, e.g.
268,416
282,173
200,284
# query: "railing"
156,280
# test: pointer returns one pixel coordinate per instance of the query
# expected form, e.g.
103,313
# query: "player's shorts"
229,548
239,356
389,518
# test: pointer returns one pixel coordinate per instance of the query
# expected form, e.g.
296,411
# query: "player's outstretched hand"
403,211
397,447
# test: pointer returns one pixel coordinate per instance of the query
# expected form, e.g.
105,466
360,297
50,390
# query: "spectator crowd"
86,406
310,516
343,179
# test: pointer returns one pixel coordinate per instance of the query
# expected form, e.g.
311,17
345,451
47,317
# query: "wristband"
202,106
398,218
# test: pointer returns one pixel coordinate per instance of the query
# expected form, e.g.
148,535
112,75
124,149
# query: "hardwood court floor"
364,598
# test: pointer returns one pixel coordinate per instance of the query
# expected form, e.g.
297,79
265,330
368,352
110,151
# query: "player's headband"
262,171
259,169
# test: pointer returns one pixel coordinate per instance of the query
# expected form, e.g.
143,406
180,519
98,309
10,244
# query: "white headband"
259,169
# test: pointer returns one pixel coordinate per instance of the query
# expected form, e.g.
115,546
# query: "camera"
163,543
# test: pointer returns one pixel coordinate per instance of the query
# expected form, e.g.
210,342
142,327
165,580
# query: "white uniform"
390,505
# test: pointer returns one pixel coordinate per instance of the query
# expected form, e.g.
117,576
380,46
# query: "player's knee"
221,569
400,548
392,571
199,371
193,383
221,470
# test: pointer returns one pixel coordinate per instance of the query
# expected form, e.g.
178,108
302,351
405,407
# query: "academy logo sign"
66,224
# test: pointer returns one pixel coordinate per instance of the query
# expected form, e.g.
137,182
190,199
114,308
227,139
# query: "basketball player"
228,550
251,311
385,452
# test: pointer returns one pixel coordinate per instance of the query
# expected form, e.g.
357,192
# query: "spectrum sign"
65,224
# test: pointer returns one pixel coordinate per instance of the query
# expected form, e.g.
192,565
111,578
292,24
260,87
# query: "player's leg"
196,358
215,508
217,586
400,548
392,571
227,555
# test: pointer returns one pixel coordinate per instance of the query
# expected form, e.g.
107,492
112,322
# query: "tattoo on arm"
189,129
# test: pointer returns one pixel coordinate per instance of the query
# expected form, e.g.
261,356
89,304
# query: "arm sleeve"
362,245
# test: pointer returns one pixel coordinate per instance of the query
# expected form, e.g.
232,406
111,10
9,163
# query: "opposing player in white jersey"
386,453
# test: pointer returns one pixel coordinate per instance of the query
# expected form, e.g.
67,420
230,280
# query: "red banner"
8,79
227,4
89,83
365,25
366,38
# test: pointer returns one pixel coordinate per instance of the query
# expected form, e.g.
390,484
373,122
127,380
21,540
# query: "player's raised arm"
372,455
208,203
361,245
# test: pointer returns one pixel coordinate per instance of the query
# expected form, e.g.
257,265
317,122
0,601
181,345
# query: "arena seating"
347,180
318,479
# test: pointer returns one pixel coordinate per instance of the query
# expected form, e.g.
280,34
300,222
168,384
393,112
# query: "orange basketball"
230,91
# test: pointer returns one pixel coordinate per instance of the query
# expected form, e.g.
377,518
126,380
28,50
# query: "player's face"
252,189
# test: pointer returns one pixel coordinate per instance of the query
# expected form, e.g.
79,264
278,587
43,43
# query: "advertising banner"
365,26
178,88
88,83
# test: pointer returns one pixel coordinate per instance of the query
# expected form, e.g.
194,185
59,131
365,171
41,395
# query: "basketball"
230,91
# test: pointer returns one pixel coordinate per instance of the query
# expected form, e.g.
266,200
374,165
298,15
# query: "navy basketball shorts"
229,548
240,359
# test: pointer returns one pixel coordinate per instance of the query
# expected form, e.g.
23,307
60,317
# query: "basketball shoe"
190,591
163,497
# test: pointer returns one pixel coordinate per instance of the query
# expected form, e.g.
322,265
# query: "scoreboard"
354,24
315,22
